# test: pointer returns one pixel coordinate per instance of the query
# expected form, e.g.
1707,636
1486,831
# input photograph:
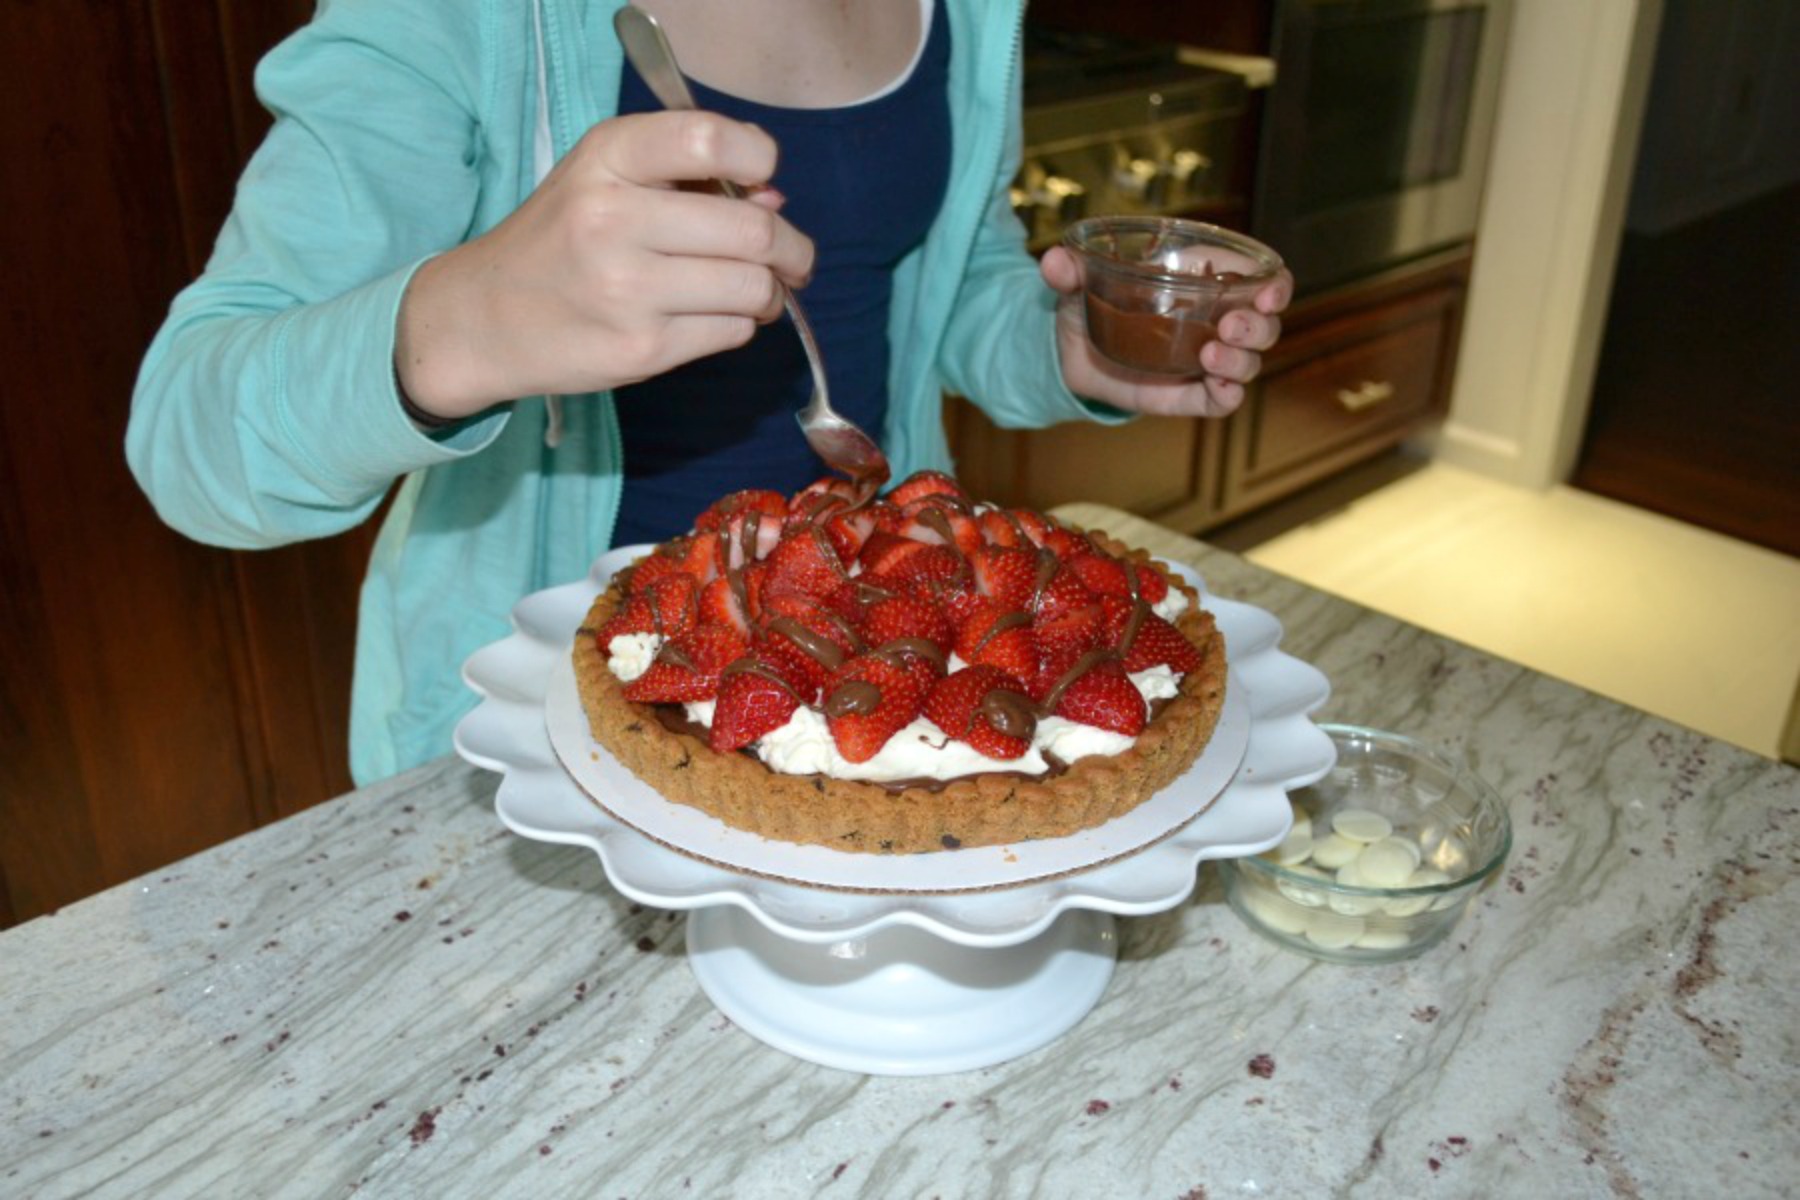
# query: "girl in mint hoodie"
465,207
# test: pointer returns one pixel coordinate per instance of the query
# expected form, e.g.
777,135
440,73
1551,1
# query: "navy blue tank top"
864,182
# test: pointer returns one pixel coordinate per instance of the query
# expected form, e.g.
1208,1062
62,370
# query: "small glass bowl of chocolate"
1155,288
1384,855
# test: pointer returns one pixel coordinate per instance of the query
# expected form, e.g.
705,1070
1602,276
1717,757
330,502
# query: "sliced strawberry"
888,517
805,561
906,616
806,673
648,570
1065,543
1062,591
748,537
1036,525
1157,641
848,531
999,638
805,629
1079,627
1054,661
1102,696
1006,574
688,667
999,528
925,483
772,504
756,695
820,497
885,550
931,565
1108,576
720,604
868,700
959,705
936,520
756,575
668,607
698,555
956,598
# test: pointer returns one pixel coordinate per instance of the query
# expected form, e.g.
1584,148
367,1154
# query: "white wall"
1572,99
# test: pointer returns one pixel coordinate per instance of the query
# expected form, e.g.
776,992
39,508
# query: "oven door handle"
1255,70
1367,394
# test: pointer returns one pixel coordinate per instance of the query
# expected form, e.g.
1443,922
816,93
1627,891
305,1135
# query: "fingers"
1248,329
1060,270
659,149
1277,295
1230,363
689,224
674,287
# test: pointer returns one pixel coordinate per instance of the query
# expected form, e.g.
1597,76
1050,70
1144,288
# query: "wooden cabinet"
1353,375
1356,371
158,696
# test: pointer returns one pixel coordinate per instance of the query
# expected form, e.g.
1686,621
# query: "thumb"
1060,270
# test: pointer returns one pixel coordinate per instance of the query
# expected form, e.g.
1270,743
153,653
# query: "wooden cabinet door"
156,696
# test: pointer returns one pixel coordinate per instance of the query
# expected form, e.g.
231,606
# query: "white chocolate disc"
1273,911
1388,863
1297,847
1381,939
1331,930
1334,851
1361,825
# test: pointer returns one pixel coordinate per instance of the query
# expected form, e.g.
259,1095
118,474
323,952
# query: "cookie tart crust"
994,808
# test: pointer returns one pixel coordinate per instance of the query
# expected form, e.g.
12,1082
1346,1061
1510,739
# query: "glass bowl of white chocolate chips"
1384,855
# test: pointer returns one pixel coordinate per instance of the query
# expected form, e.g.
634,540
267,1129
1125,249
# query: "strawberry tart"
916,672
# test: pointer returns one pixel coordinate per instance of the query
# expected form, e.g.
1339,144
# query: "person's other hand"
1225,365
609,273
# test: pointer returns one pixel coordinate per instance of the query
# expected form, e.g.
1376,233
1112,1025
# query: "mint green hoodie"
266,412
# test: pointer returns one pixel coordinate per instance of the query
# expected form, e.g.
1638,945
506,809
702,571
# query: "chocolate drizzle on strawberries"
850,605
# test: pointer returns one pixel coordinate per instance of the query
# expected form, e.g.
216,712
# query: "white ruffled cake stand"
884,964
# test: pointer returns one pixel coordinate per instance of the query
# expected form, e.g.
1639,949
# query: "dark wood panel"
157,696
1358,387
131,623
1694,411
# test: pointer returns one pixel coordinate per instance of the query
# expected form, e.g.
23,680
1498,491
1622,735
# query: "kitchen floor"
1687,624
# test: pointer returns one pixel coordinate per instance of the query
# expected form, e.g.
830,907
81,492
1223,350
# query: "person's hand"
1224,367
608,274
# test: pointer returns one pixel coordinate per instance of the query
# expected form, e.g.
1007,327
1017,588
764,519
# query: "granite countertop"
391,994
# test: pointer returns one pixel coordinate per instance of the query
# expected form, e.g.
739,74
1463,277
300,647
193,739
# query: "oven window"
1387,104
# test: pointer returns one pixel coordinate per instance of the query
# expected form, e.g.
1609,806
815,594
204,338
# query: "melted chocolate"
813,644
1009,713
1146,340
853,698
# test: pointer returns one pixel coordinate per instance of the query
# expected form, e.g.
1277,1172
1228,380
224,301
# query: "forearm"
257,425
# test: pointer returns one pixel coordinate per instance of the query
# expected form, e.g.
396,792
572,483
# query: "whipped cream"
1171,605
630,654
804,746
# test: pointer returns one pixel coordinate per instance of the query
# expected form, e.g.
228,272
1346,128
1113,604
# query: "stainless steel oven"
1376,132
1119,125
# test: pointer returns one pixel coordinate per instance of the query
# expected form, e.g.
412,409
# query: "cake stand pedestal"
901,1001
907,971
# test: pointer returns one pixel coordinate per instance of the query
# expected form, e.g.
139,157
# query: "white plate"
626,797
539,799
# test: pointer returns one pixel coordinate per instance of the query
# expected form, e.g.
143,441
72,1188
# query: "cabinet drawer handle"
1366,394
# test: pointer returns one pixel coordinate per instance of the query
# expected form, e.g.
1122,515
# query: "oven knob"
1023,206
1063,199
1136,178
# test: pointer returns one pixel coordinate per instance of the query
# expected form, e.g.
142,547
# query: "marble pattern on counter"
391,995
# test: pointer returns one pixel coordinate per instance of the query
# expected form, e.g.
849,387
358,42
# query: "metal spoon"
842,445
